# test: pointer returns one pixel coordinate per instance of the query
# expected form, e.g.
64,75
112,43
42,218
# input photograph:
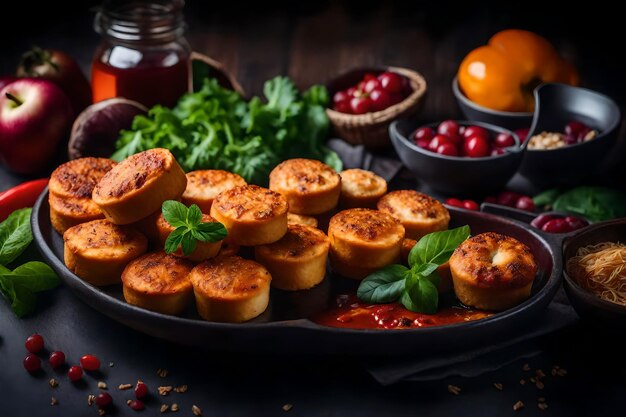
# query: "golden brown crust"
158,282
203,251
204,185
66,212
492,260
252,215
230,278
361,188
98,251
293,218
298,260
77,178
137,186
310,186
419,213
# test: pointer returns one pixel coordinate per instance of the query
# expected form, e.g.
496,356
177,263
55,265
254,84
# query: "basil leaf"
188,243
421,297
34,276
546,198
437,247
595,203
425,269
194,215
174,212
174,240
211,232
15,235
24,301
434,278
384,285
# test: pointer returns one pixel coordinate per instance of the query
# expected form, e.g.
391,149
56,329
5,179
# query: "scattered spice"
125,386
561,372
128,402
164,408
196,410
162,372
102,385
164,390
53,401
542,406
498,386
539,373
181,389
541,399
111,364
539,385
90,399
53,383
287,407
101,411
526,367
522,381
174,407
518,406
533,379
453,389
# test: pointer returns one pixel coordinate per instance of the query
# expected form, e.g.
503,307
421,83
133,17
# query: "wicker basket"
372,129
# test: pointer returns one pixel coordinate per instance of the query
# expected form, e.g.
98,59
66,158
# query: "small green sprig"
416,286
189,228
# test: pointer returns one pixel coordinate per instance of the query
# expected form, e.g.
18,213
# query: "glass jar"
143,55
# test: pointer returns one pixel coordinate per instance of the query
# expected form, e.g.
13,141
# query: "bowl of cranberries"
365,101
573,134
458,157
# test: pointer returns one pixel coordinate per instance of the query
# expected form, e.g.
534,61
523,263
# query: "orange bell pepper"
503,74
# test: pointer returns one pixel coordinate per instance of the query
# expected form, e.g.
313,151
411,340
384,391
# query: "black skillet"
284,327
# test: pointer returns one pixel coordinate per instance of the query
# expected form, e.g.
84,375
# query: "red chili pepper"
20,196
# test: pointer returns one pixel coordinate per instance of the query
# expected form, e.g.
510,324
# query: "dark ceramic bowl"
557,105
478,113
286,327
453,175
590,308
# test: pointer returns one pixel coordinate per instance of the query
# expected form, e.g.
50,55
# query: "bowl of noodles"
595,273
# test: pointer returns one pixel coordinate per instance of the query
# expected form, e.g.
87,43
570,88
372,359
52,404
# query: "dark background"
312,42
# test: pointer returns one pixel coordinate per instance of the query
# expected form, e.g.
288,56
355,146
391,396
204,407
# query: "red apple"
35,116
5,80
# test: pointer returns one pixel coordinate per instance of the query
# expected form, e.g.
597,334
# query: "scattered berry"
103,399
75,373
141,390
32,363
454,202
90,363
34,343
57,359
136,405
471,205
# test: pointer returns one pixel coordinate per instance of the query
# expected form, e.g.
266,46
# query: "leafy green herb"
216,128
415,287
21,284
189,228
594,203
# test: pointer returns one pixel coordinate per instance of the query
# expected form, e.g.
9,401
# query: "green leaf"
175,238
546,198
35,276
24,301
594,203
422,297
194,215
188,243
175,213
425,269
384,285
15,235
211,232
437,247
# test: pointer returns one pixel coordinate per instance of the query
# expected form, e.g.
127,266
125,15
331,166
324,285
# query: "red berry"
360,105
470,131
508,198
423,143
343,107
32,363
395,98
450,128
503,140
371,85
522,134
380,99
75,373
351,92
103,399
57,359
340,96
476,147
34,343
575,223
575,128
391,82
90,363
141,390
497,152
525,203
447,149
369,76
470,205
136,405
540,220
454,202
491,199
437,141
556,226
361,86
423,133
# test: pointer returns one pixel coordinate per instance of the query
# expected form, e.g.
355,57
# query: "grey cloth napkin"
558,315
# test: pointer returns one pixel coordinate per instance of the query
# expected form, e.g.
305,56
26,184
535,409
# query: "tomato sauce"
351,313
